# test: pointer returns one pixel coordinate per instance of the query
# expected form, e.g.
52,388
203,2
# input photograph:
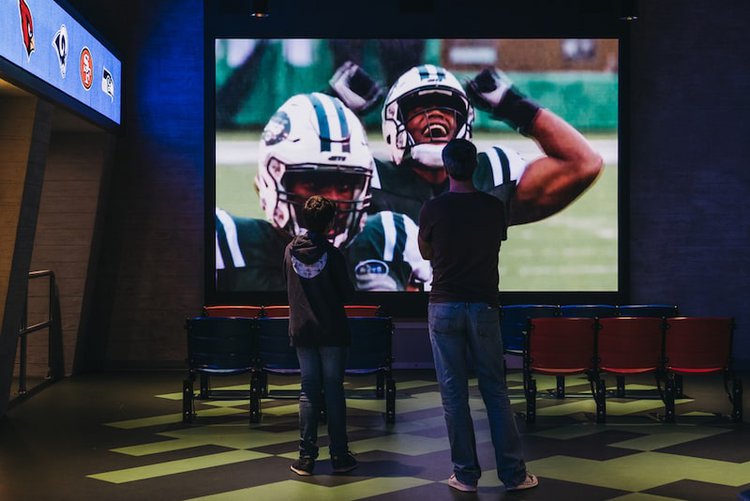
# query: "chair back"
362,310
588,310
232,311
561,345
274,350
648,310
514,322
371,348
630,345
698,344
221,345
276,311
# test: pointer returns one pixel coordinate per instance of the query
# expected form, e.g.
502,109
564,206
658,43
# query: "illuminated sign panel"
41,38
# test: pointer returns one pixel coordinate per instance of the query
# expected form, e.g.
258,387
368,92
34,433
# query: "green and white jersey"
399,189
249,254
385,256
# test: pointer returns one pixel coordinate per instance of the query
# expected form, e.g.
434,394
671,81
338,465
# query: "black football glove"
356,88
491,90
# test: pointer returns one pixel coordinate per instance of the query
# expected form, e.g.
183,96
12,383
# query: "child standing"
318,286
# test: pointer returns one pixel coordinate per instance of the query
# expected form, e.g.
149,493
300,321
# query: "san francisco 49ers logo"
27,27
86,68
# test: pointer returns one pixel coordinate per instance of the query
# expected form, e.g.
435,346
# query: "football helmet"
314,144
426,87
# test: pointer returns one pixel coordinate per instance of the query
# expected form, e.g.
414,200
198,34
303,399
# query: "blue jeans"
458,329
322,371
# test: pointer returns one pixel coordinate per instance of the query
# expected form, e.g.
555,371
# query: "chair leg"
188,411
530,395
255,409
736,400
380,384
560,390
204,386
669,396
620,387
678,388
390,401
600,398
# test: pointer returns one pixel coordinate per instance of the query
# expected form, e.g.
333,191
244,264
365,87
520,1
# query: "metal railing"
56,369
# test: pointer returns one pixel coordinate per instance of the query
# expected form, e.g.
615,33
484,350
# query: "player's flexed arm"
549,183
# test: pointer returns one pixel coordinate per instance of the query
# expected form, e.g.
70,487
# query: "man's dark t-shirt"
465,231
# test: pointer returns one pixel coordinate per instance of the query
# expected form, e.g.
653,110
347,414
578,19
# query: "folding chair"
558,346
626,346
219,346
700,345
585,311
371,353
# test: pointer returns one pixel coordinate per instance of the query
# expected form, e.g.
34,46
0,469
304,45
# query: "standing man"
463,318
318,286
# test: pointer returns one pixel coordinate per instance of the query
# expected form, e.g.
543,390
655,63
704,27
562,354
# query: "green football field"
574,250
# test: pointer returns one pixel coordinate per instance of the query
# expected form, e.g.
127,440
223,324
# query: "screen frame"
230,20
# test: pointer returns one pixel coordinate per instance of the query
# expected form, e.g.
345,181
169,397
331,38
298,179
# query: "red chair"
627,346
558,346
232,311
700,345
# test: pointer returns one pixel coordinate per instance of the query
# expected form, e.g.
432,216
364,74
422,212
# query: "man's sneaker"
529,482
343,463
460,486
303,466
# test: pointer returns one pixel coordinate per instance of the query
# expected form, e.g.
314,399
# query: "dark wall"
688,209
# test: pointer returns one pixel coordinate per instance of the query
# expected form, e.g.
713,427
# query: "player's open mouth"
435,131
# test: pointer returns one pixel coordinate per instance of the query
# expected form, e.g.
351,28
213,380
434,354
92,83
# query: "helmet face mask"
424,109
314,145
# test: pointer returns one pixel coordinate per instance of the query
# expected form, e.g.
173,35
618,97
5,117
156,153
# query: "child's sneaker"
343,463
303,466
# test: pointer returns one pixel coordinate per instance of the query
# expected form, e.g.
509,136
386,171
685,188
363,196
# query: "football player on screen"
313,145
428,106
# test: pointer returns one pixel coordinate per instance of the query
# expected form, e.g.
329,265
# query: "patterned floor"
120,437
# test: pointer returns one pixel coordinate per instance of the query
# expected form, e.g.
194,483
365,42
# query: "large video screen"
282,134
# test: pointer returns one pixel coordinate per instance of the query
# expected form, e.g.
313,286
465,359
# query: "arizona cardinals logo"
27,27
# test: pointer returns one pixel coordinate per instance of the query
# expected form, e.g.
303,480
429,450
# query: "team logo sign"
108,84
60,44
371,267
86,68
27,27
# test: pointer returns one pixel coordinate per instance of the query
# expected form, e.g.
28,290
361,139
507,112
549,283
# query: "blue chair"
514,322
371,353
218,346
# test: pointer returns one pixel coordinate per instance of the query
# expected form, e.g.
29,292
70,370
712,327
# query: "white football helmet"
430,87
314,144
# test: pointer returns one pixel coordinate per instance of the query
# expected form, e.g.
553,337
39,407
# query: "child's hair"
318,213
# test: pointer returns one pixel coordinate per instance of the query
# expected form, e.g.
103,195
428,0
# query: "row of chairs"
226,343
668,347
514,317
